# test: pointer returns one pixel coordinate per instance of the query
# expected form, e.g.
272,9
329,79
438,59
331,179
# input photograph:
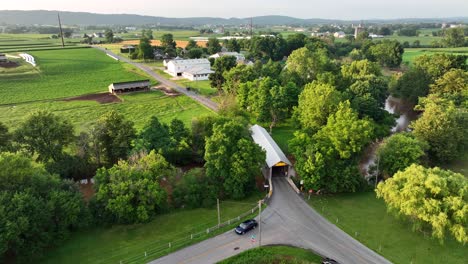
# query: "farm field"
365,214
274,254
120,242
70,73
202,87
411,53
30,42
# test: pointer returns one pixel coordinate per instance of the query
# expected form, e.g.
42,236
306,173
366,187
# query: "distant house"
339,34
320,34
240,58
98,35
375,36
127,49
3,57
198,69
133,86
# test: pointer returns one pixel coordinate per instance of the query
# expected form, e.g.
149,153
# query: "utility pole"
260,223
251,27
219,216
61,31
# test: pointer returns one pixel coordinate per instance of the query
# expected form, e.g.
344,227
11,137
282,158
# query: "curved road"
201,99
288,219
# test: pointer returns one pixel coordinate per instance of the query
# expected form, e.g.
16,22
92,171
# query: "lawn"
118,243
202,87
274,254
365,217
65,73
410,53
282,134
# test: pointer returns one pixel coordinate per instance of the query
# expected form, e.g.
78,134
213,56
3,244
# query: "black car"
246,226
329,261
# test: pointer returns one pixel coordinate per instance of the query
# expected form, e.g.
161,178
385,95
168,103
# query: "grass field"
282,134
116,243
202,87
274,254
69,73
365,214
410,53
30,42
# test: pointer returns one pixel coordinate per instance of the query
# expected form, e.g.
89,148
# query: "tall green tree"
5,138
221,65
115,135
235,76
192,44
145,50
38,210
452,85
454,37
388,53
213,46
443,127
435,200
45,134
308,64
411,85
233,45
438,64
167,41
130,191
398,152
233,159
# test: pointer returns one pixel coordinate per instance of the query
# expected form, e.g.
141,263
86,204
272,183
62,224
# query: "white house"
239,57
198,69
375,36
339,34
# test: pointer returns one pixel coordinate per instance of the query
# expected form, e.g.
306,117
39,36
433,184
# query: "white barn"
276,163
3,57
240,58
198,69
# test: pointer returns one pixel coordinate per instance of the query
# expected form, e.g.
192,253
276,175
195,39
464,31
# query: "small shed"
197,73
127,49
133,86
3,57
276,163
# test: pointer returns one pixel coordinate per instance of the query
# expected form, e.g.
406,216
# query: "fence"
162,249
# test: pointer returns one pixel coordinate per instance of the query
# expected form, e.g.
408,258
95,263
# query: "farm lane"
289,220
199,98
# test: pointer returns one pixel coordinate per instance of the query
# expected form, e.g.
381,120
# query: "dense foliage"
435,200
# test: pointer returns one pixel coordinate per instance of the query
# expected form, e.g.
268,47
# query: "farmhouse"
276,163
198,69
3,57
339,34
134,86
239,57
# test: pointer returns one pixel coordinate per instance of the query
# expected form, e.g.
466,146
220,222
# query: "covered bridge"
276,164
134,86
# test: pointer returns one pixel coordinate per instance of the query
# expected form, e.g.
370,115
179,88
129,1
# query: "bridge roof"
274,154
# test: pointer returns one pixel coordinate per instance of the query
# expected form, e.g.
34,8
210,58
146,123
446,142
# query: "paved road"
201,99
287,220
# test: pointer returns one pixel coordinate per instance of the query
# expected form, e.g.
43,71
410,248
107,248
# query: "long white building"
194,69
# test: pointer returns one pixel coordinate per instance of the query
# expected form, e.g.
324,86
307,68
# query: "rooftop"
274,154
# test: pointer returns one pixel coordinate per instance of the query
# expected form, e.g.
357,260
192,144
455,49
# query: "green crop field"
63,74
365,218
411,53
31,42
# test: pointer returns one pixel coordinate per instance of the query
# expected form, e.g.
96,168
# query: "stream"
407,115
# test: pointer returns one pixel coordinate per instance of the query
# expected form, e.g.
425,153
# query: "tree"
236,76
388,53
229,147
38,210
167,41
438,64
195,53
433,199
213,46
452,85
115,135
145,50
45,134
131,191
202,128
411,85
442,127
221,65
357,70
109,35
295,41
194,190
316,103
398,152
149,34
454,37
416,44
233,45
5,138
308,64
192,44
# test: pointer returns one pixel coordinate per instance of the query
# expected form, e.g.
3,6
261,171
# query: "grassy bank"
365,218
274,254
116,243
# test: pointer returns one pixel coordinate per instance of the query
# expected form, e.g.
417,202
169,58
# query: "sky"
330,9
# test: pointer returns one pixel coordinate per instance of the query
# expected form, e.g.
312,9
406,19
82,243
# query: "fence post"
238,218
146,254
229,221
191,236
169,244
208,230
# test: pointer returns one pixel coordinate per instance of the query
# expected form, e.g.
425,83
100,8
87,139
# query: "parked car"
246,226
329,261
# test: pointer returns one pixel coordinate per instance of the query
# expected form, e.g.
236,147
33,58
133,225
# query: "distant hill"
45,17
